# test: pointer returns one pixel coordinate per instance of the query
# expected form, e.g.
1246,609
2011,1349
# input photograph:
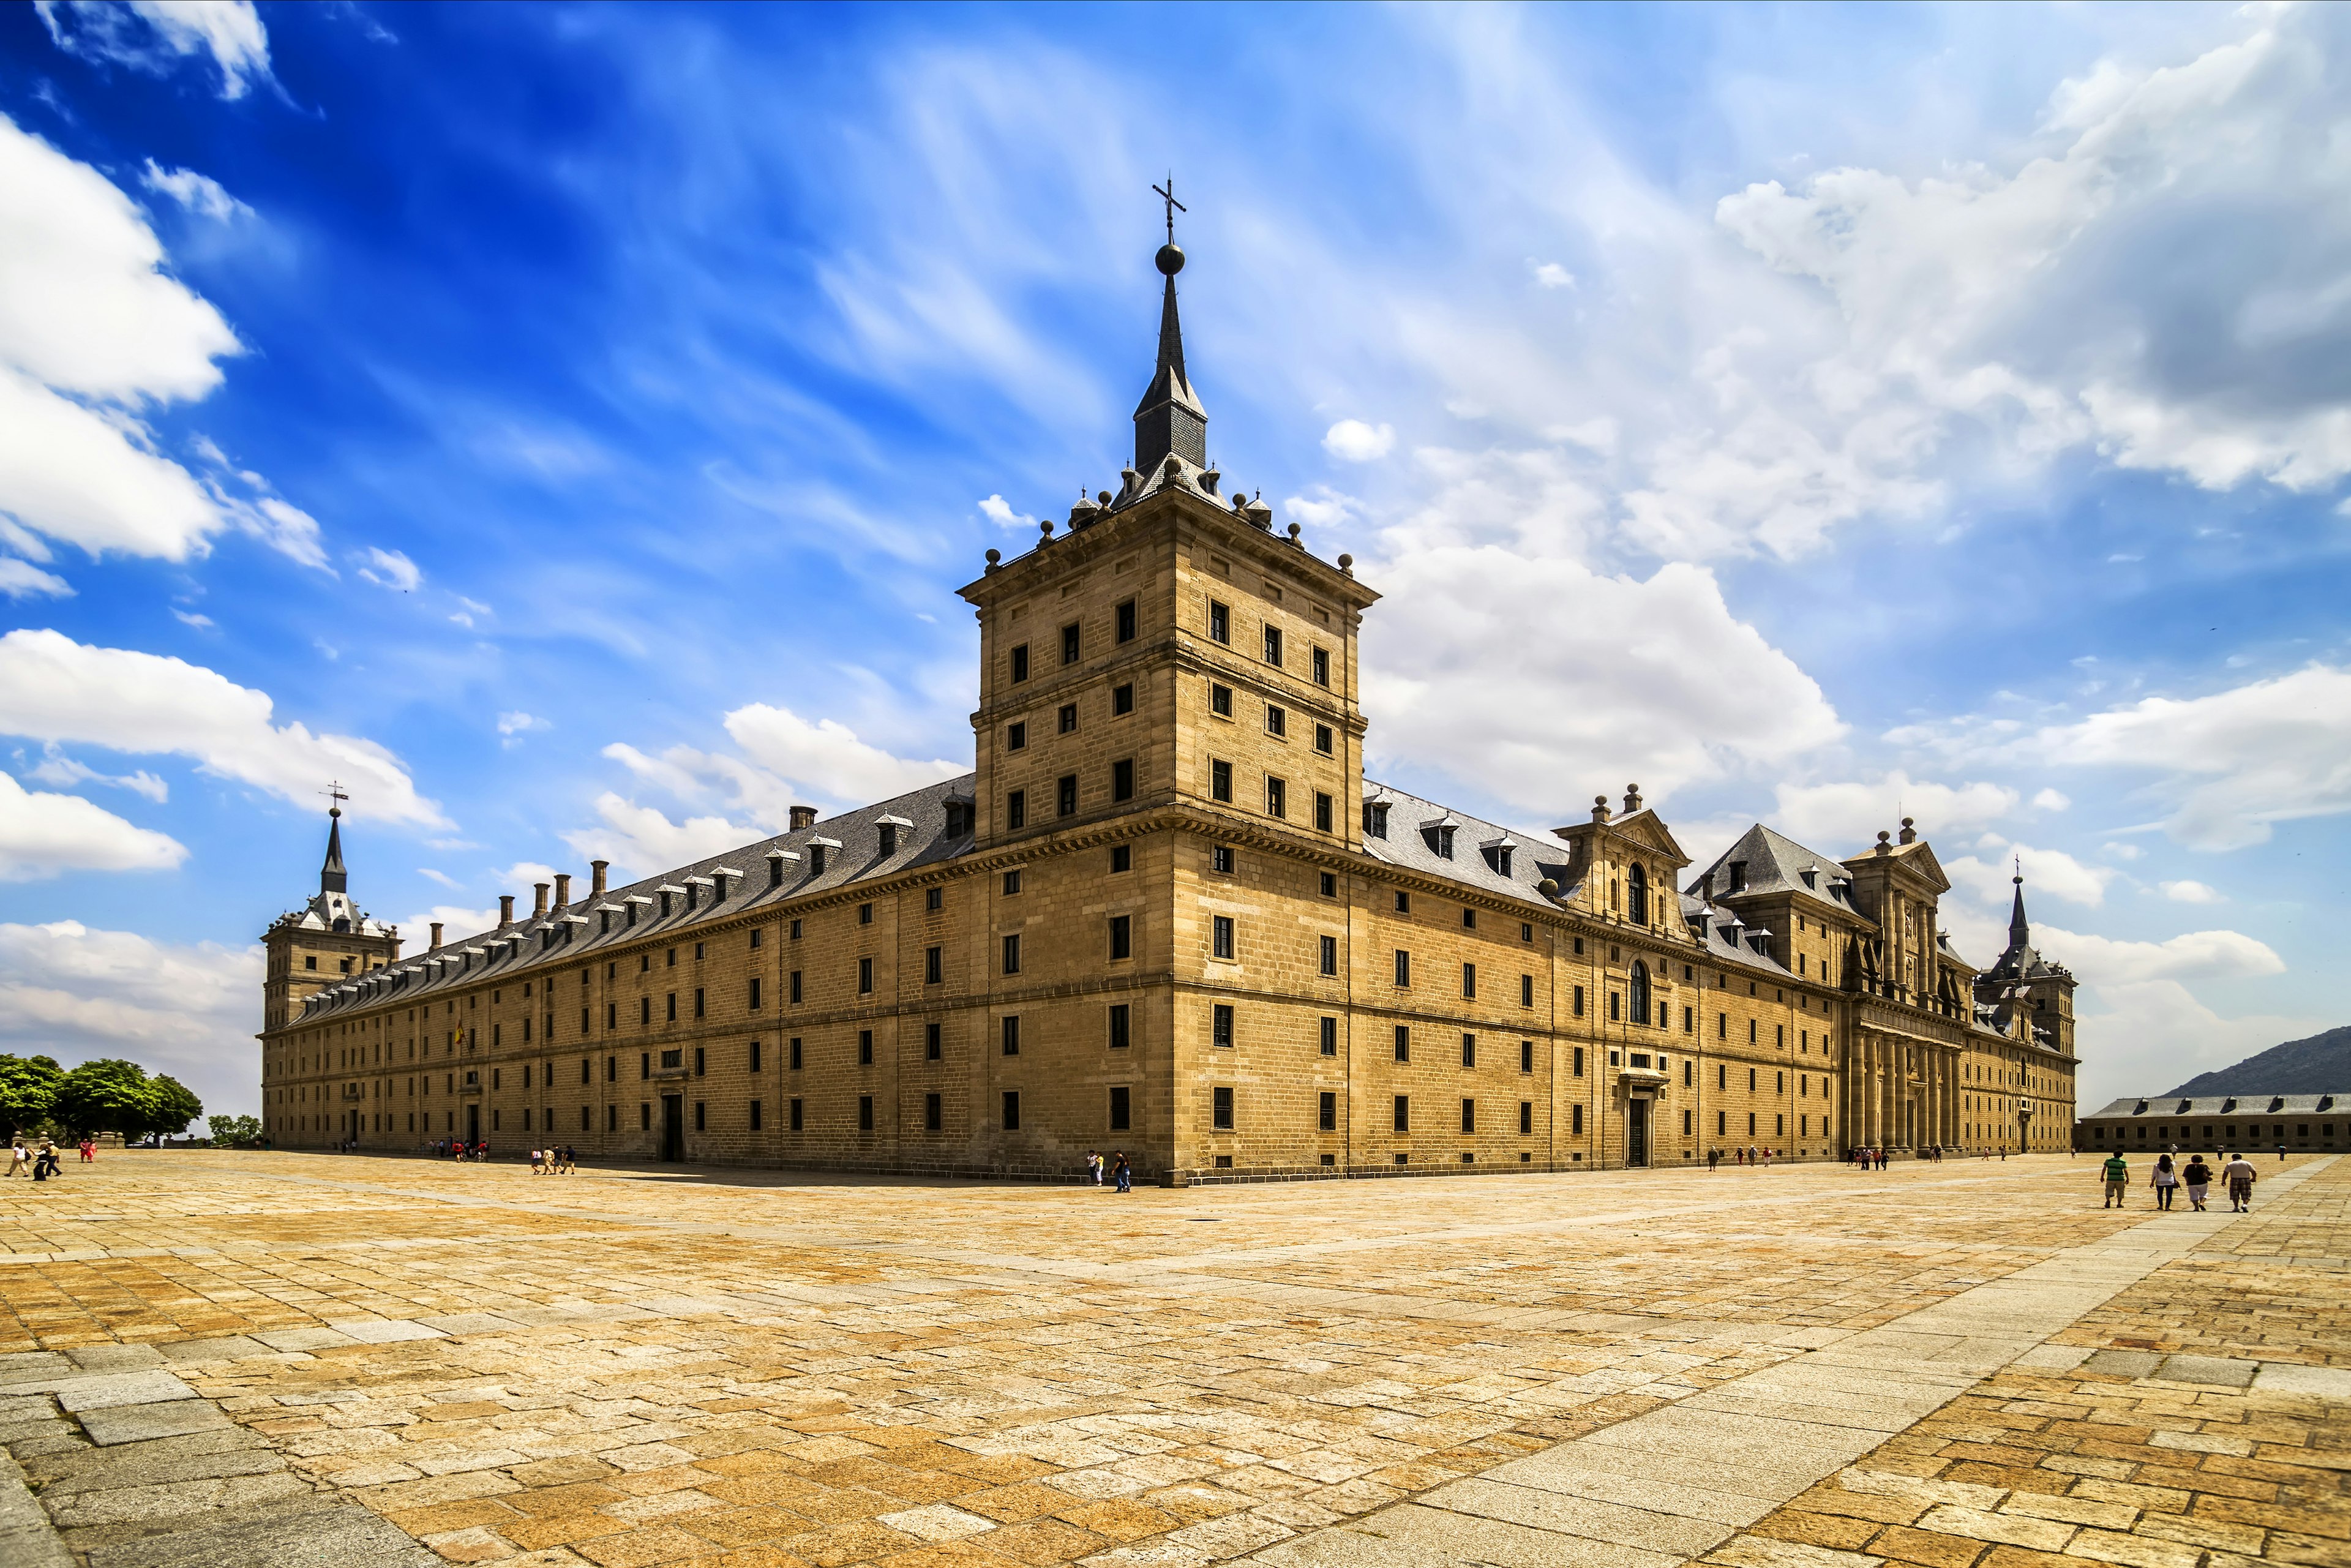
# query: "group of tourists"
1121,1174
2169,1177
458,1149
43,1163
1750,1155
552,1162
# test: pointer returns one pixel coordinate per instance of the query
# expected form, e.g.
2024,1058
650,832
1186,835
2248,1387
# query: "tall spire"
2020,931
331,877
1170,418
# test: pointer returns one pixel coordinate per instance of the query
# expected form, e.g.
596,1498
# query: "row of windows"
1220,630
1123,628
1016,735
1277,795
1065,795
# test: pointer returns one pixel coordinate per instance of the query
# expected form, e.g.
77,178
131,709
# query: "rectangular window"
1011,882
701,1115
1223,860
1016,809
1527,1118
931,1049
1468,1051
865,1112
1327,1112
1220,782
755,1062
1065,792
1070,644
1220,1025
1221,943
1579,1061
798,1115
1122,699
755,1116
1323,812
1273,646
1121,1118
1122,937
1576,1120
1020,663
1469,981
701,1067
1016,736
932,1118
796,987
1121,1026
1012,954
1403,967
1403,1114
1012,1110
1124,617
933,966
1468,1116
754,993
864,1048
1069,724
1320,662
1221,1113
1122,780
1220,623
611,1015
1615,1006
1277,798
1277,720
1330,955
670,1003
1330,1037
1220,700
1330,884
865,976
1375,819
935,899
1403,1043
1011,1028
1526,1056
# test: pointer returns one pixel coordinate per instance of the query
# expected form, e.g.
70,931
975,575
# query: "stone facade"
1166,914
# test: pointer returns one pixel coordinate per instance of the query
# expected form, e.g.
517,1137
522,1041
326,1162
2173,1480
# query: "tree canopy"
117,1096
28,1089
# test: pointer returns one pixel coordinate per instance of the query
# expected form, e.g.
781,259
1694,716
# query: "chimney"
596,878
803,817
563,890
506,910
538,899
436,938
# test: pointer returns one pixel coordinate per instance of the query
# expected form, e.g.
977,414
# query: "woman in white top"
2166,1181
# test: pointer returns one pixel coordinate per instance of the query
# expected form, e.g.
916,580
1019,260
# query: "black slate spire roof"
1170,419
331,875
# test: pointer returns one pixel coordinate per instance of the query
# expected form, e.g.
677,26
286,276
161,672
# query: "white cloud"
54,689
190,618
997,510
155,35
390,568
22,580
2186,892
825,759
516,724
1570,704
1353,441
1326,509
457,923
1854,813
1551,275
2050,872
2051,801
467,610
2144,1037
641,840
442,877
2191,956
200,194
57,768
93,333
2123,851
73,992
43,834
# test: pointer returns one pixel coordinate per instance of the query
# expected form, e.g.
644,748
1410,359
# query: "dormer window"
1439,840
955,824
1498,856
665,903
816,859
1375,819
1812,875
889,839
1737,876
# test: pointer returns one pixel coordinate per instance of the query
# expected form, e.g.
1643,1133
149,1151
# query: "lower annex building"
1167,914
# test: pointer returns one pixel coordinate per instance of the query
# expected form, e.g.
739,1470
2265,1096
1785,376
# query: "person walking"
19,1162
1123,1172
2116,1173
2239,1173
1713,1158
571,1166
2198,1179
88,1151
2166,1181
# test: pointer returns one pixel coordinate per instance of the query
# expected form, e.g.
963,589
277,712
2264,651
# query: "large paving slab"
372,1360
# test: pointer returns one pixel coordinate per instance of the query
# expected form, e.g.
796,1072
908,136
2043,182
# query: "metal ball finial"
1170,260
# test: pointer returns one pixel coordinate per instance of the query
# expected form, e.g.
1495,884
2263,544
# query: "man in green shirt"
2117,1175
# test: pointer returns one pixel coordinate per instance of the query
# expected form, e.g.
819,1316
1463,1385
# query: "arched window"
1639,987
1636,890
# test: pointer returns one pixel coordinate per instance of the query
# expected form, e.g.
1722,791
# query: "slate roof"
1776,864
565,935
2171,1107
1533,856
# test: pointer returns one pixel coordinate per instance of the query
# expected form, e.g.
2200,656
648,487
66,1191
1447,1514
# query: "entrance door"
1636,1134
672,1148
473,1123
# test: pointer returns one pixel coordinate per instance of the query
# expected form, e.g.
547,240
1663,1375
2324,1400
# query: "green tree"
109,1095
235,1132
28,1091
176,1106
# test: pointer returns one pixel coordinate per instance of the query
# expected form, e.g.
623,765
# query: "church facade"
1167,914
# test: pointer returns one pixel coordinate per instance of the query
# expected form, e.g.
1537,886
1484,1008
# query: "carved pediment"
1645,829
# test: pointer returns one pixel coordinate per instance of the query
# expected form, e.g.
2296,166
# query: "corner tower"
2024,986
325,942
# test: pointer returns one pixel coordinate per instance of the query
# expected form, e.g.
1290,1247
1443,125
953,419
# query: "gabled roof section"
1407,847
1645,827
1776,863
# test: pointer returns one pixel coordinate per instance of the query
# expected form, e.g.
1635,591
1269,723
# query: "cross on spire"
1167,193
332,878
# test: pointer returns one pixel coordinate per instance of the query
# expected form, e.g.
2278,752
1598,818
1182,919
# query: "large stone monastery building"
1167,914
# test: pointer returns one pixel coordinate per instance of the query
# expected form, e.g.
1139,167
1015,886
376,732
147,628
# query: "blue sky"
567,426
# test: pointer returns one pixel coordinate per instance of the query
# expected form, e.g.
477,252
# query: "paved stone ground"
311,1359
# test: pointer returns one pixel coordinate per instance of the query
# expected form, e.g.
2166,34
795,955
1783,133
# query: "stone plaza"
280,1358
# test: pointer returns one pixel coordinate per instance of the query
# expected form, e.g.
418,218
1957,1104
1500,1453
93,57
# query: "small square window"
1277,720
1068,719
1324,740
864,918
1121,857
1016,736
1404,904
1330,884
1122,699
1011,882
1470,920
1224,859
1220,700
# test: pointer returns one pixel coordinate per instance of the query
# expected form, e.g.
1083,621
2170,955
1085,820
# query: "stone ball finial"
1293,533
995,556
1101,497
1548,888
1046,528
1169,261
1346,562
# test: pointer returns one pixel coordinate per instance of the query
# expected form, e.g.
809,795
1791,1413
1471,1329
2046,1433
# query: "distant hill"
2319,1065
